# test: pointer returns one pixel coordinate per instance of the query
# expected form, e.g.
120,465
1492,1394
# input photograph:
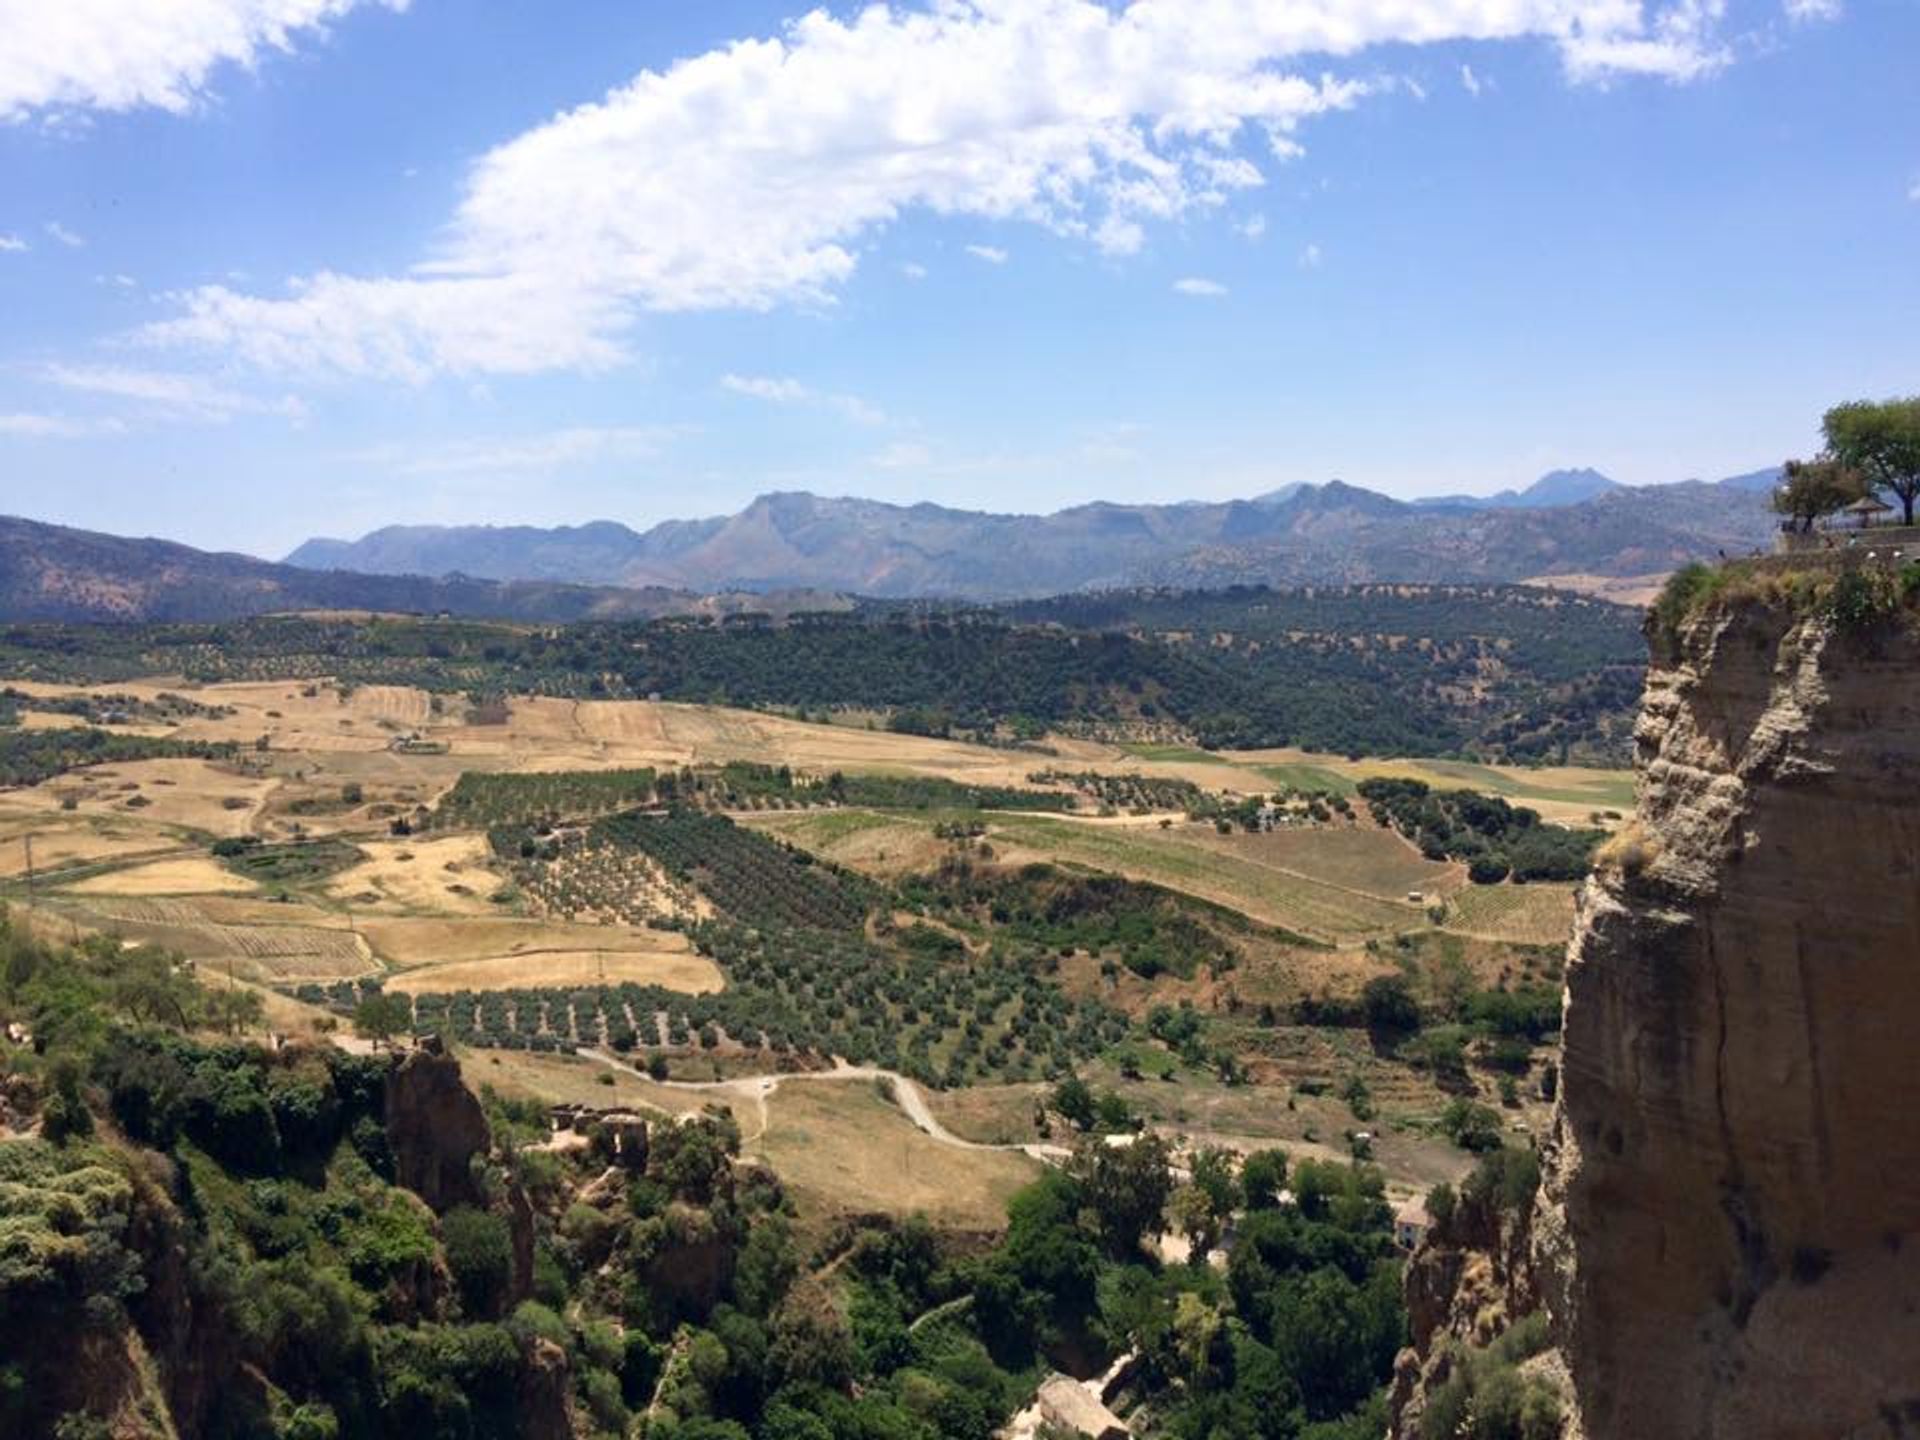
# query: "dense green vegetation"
801,992
294,863
751,877
29,756
1150,930
1496,839
248,1219
805,970
1494,672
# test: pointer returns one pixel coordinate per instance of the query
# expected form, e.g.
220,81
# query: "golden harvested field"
839,1147
408,941
445,876
195,794
188,875
65,840
562,969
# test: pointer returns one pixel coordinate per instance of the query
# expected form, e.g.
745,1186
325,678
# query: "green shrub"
480,1255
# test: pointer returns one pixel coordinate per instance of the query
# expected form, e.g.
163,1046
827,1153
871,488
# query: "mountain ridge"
1298,533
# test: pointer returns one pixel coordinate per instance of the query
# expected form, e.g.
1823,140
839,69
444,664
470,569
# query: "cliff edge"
1728,1232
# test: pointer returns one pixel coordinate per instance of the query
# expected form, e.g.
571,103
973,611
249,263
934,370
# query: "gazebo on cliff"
1865,513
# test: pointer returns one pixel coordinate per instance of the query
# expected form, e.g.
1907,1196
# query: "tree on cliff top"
1814,488
1882,441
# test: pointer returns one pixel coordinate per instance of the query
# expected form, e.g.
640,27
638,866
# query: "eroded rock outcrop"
1467,1285
435,1127
1728,1236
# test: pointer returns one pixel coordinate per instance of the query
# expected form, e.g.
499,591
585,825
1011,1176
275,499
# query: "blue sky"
276,268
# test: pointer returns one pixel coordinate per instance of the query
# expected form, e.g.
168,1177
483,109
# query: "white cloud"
131,54
1470,82
44,427
782,390
751,176
12,245
1310,257
1202,289
1681,42
903,455
1807,11
1252,228
913,270
992,254
765,387
548,451
65,236
169,395
1913,192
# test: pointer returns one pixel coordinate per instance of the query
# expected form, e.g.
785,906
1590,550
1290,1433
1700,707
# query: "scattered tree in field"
379,1018
1881,440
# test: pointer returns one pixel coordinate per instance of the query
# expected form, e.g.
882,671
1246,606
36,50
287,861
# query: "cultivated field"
1539,914
670,969
127,849
1194,860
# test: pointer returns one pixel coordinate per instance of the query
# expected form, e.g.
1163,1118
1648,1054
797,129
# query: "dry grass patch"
840,1148
1361,857
196,794
61,841
189,875
448,876
568,1080
864,840
989,1114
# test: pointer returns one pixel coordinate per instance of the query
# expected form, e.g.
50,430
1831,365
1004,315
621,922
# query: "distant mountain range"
788,552
1570,522
52,573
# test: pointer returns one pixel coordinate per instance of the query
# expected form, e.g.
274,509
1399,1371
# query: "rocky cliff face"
436,1127
1728,1237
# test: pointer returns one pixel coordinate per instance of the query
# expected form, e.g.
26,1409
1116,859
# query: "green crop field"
1269,893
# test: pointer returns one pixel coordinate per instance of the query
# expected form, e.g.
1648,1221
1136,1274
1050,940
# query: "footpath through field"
758,1089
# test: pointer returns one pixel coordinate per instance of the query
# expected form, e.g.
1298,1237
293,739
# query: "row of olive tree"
1872,446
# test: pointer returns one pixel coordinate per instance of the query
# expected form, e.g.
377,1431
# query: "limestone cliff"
1728,1236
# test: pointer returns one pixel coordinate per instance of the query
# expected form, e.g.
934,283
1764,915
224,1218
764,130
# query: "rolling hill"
52,573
